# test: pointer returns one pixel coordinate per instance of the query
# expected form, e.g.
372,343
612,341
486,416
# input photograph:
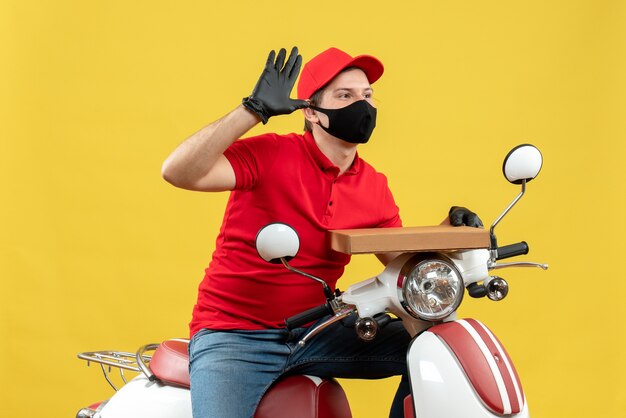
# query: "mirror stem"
329,293
497,221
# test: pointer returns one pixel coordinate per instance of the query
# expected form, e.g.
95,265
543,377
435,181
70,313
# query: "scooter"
457,367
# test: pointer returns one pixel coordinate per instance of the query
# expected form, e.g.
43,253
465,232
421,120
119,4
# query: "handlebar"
512,250
309,315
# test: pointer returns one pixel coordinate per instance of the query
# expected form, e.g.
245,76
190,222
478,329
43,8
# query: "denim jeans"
231,370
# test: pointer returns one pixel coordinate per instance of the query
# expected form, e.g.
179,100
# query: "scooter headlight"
430,289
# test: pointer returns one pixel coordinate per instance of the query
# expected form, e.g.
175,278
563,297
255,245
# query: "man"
314,182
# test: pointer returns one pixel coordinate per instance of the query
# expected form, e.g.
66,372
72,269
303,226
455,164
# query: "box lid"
408,239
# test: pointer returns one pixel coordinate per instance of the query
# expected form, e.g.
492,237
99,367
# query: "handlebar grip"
512,250
307,316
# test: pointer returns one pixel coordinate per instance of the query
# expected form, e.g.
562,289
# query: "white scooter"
457,368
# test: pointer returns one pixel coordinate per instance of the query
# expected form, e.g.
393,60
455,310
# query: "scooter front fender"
459,369
141,398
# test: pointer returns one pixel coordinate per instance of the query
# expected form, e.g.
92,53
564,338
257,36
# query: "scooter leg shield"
460,369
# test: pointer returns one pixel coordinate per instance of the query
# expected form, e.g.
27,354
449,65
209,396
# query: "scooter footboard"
459,368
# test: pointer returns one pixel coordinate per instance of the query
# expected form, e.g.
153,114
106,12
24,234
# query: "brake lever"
495,266
339,315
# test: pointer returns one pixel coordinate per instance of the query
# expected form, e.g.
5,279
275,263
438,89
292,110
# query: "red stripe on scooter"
507,376
473,361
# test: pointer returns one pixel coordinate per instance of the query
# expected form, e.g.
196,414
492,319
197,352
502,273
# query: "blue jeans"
231,370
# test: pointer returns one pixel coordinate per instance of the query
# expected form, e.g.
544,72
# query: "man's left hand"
460,216
270,96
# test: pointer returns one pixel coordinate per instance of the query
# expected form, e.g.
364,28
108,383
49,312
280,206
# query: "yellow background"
98,252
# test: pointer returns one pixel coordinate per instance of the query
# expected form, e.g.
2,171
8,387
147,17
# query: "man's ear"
310,115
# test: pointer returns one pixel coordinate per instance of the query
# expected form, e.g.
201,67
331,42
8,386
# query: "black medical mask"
353,123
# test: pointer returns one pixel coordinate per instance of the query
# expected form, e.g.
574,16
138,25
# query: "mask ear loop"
318,109
325,112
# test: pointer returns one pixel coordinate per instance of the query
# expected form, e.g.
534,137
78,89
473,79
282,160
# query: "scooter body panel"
441,387
142,398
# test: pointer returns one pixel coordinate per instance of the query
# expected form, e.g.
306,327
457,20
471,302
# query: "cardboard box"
408,239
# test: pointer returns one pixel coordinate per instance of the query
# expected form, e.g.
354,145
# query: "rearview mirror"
276,241
522,163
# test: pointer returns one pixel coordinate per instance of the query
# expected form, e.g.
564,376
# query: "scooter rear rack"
118,359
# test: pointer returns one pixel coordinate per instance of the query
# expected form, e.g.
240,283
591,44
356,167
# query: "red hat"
322,68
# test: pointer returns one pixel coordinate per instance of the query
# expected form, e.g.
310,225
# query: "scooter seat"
304,397
170,362
291,396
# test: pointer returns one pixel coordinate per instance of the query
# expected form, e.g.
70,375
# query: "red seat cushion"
304,397
292,396
170,362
